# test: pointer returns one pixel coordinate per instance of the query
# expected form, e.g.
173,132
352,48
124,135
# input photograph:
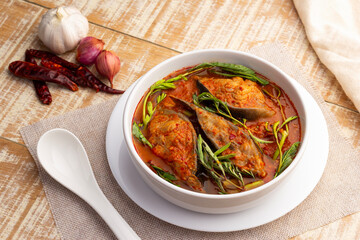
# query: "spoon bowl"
64,158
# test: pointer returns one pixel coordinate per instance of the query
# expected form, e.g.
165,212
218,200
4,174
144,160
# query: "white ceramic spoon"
64,158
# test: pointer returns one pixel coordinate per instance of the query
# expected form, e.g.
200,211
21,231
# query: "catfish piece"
221,131
174,140
243,97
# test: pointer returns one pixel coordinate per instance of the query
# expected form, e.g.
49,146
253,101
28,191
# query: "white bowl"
200,202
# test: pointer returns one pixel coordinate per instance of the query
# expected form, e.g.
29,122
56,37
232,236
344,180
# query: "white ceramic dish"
278,203
210,203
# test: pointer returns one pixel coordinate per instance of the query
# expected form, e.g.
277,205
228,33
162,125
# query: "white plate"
279,202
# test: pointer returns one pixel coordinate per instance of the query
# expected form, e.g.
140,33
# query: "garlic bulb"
62,28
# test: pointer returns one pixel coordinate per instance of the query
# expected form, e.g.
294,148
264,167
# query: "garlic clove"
62,28
89,48
108,65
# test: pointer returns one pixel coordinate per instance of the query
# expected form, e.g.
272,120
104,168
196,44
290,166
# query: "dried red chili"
83,76
35,72
63,70
88,76
29,58
41,88
53,58
58,70
42,92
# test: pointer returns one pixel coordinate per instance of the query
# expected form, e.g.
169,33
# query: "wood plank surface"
19,104
142,33
188,25
25,212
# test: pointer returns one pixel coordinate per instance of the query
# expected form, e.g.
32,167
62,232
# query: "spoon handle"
105,209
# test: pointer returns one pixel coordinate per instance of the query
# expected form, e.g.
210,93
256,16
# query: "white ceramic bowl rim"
127,121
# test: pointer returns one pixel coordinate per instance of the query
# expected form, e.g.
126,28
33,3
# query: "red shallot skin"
88,50
108,65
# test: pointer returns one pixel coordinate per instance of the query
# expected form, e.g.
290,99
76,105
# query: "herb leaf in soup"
209,160
235,70
161,84
288,157
280,143
254,185
136,131
206,158
163,174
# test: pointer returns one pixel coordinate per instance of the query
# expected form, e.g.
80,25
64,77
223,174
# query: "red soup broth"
185,88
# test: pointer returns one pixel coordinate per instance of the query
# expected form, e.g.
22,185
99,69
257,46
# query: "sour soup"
216,128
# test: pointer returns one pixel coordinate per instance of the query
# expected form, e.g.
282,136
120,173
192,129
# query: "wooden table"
142,33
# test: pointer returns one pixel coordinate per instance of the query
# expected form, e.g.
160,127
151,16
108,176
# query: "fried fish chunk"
174,140
244,98
220,132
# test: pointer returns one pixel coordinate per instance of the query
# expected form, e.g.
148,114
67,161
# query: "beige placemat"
336,195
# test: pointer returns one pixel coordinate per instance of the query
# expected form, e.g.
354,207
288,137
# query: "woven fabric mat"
335,196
